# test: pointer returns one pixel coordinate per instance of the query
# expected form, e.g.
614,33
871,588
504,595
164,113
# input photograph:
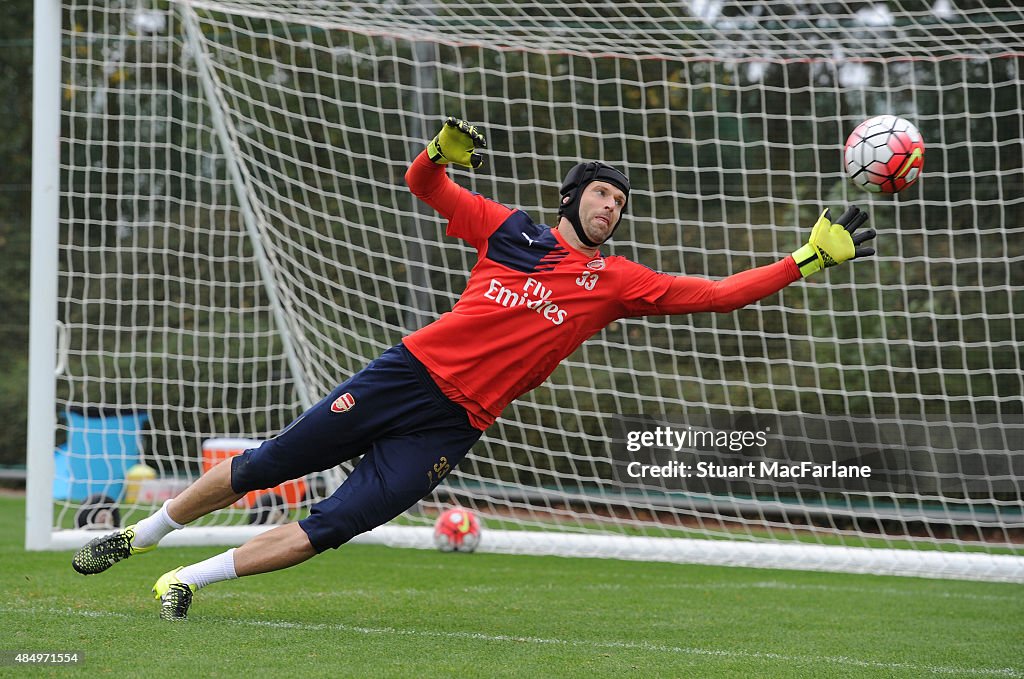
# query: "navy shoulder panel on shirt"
522,245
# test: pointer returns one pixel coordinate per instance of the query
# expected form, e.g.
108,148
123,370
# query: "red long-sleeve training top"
532,299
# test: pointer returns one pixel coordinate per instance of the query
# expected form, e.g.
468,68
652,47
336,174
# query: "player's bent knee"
337,519
331,524
258,469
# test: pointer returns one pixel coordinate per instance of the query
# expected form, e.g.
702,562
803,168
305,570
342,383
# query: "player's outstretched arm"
835,242
457,142
427,178
830,243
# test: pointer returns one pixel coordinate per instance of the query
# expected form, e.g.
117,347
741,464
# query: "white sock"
152,530
214,569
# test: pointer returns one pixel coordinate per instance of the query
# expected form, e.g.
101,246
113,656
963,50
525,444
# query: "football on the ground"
884,154
457,530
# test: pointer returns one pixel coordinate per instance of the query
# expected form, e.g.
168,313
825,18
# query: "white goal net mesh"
237,238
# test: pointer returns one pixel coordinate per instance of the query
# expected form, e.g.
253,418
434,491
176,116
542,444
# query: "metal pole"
420,309
42,383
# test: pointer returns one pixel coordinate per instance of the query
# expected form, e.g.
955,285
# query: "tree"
15,228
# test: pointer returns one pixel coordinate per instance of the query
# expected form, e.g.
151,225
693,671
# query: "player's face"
600,208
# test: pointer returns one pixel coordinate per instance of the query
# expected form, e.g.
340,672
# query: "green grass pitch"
367,611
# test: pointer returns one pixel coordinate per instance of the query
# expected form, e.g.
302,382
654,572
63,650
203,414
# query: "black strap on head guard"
572,187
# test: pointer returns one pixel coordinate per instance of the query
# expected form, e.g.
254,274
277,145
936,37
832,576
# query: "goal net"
236,238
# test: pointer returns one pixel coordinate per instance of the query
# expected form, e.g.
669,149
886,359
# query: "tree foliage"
15,230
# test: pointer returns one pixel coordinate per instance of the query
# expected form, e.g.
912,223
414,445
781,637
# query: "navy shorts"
393,414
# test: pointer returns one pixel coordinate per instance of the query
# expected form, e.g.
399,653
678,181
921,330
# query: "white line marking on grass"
711,586
841,661
796,587
888,591
342,593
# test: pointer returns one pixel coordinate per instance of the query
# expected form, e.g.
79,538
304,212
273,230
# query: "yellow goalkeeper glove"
457,143
835,242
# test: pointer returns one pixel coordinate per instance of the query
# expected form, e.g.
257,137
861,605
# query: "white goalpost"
222,233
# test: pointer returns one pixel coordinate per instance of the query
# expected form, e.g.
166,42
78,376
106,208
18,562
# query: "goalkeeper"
535,294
